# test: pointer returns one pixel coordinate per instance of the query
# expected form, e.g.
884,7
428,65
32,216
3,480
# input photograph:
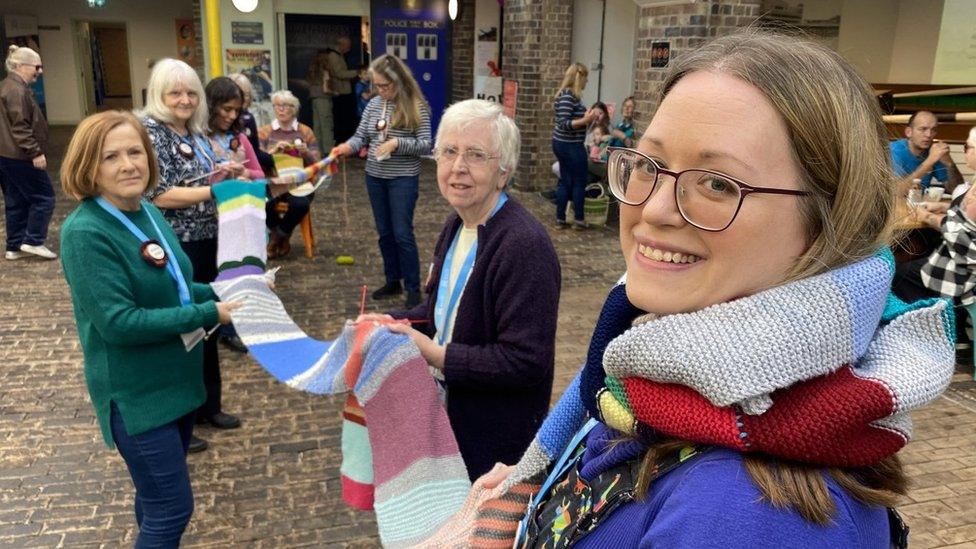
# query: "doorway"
102,52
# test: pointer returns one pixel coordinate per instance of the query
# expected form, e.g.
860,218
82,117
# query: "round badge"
154,254
186,150
380,125
298,142
234,144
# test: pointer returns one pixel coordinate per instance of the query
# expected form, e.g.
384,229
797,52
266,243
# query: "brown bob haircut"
80,166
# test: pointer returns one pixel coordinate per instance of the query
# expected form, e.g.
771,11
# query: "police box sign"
411,24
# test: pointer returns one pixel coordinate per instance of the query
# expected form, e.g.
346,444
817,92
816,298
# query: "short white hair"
285,96
504,133
167,75
17,56
972,136
242,82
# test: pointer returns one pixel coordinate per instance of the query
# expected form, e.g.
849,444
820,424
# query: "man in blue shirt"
921,156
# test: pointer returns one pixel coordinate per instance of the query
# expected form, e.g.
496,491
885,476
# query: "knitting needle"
362,301
192,179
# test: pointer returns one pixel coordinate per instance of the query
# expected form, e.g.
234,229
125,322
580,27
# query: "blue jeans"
157,464
393,201
28,202
573,173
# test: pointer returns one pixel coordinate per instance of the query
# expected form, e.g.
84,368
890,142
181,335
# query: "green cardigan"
129,320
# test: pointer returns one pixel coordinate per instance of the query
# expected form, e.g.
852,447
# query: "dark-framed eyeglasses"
706,199
966,146
472,157
382,87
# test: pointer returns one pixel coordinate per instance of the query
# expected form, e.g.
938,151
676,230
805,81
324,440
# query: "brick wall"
685,26
198,29
536,44
462,52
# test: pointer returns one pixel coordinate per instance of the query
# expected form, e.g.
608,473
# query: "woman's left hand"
432,352
387,147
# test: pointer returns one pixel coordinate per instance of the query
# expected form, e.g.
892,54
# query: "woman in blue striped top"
572,119
396,128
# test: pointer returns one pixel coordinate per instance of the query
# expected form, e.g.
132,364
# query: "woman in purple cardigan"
492,293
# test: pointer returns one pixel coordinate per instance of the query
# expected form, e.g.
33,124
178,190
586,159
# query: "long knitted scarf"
399,455
822,371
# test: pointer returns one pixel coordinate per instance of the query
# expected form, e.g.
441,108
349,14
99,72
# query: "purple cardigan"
711,501
499,364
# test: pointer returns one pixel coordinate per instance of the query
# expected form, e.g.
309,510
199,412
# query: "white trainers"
40,251
12,255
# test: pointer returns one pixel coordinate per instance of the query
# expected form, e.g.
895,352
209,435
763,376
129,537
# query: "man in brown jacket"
27,192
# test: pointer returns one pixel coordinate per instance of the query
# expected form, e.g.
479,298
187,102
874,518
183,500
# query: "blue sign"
419,37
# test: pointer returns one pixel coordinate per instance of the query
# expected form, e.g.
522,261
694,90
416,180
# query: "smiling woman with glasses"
750,376
492,294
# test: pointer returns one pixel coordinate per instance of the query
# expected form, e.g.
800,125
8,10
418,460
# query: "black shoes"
413,299
234,343
197,445
220,420
390,289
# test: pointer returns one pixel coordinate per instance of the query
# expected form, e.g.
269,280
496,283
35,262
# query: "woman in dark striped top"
396,128
572,119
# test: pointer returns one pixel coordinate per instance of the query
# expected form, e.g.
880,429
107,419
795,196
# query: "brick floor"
274,482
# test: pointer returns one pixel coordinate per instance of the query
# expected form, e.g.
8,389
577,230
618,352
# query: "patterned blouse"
198,222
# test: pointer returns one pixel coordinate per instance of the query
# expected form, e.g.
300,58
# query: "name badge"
153,254
185,150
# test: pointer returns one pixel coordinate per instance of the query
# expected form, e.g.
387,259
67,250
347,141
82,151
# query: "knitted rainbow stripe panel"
399,453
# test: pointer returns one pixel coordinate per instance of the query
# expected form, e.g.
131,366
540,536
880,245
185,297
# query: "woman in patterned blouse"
176,120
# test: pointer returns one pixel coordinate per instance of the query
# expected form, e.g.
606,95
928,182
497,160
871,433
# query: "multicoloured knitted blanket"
822,371
399,453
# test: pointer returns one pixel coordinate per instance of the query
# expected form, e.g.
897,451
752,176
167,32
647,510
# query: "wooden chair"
308,237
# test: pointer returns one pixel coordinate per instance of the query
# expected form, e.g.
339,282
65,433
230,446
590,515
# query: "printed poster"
255,64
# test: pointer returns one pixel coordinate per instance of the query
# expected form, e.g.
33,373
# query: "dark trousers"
573,173
346,119
203,256
157,464
285,224
907,284
28,200
393,202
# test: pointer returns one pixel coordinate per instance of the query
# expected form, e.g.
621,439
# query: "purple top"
711,501
499,365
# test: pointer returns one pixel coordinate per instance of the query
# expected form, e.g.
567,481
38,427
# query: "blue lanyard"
556,474
171,265
201,149
442,308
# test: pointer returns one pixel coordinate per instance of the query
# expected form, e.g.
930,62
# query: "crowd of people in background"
698,190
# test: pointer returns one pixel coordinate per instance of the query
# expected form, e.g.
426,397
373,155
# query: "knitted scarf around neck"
821,371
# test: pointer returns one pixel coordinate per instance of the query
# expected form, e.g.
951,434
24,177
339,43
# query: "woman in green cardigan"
140,317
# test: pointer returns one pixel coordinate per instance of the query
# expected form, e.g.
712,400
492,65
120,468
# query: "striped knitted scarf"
822,371
399,455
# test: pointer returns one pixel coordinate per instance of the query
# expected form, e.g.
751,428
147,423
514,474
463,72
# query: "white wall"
916,41
867,34
955,58
618,47
151,35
